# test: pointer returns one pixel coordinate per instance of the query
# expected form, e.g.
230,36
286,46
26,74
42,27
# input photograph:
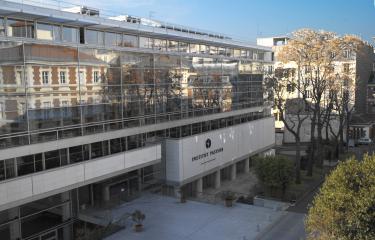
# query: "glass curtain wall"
60,91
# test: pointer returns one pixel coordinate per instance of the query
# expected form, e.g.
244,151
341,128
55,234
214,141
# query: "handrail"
157,24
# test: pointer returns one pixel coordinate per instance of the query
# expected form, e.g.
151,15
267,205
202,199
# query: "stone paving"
167,219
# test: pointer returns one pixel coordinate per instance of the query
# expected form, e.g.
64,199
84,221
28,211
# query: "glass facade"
59,82
14,167
50,91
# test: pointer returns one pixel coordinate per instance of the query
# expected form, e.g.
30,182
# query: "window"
194,48
172,46
346,68
129,41
307,69
81,77
145,42
243,53
45,77
62,77
65,110
119,39
94,37
213,50
184,47
19,77
69,34
237,53
46,112
20,28
96,77
65,103
307,94
347,54
229,52
203,49
160,45
2,26
221,51
2,110
48,32
46,104
110,39
261,56
270,69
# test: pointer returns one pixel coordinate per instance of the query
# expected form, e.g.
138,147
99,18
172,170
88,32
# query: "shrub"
275,172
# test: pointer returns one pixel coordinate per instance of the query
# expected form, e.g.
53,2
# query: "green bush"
275,172
345,205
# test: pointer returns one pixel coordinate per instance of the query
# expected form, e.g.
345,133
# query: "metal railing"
62,132
160,26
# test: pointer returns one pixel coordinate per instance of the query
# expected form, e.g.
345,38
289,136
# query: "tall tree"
292,111
315,54
345,206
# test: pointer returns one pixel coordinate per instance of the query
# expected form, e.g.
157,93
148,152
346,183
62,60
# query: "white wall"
235,142
30,186
305,132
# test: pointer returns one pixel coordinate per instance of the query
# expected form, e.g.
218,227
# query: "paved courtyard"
167,219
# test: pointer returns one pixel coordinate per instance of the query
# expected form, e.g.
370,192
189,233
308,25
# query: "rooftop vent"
137,20
83,10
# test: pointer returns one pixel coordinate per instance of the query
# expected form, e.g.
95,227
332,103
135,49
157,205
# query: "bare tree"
292,111
315,54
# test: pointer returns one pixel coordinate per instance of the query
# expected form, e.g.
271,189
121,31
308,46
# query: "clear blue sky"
248,19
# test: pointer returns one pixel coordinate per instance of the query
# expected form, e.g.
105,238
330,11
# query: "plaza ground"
167,219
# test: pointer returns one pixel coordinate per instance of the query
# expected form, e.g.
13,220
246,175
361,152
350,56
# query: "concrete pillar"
92,201
14,227
199,183
247,165
139,172
105,192
177,192
233,174
217,179
66,215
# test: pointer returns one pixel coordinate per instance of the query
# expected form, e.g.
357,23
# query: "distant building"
355,66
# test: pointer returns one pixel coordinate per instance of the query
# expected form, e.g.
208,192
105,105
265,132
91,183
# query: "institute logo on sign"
208,143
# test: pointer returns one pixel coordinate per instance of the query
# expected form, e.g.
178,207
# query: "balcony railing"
64,132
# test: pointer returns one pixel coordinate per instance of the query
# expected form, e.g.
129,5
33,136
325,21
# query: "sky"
249,19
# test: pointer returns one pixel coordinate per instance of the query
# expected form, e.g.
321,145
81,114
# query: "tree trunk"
298,161
310,162
341,134
327,133
319,149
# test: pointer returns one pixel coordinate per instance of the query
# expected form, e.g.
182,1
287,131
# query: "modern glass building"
96,110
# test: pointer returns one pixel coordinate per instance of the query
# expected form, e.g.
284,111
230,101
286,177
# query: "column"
14,227
247,165
233,174
199,183
92,201
139,173
66,215
179,194
217,179
105,192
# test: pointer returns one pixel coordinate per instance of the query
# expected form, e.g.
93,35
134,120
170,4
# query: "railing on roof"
94,12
